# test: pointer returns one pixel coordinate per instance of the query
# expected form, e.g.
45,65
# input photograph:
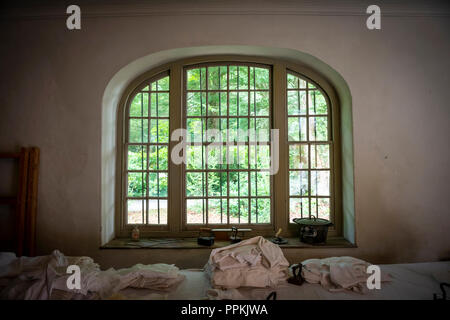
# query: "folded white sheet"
255,262
339,273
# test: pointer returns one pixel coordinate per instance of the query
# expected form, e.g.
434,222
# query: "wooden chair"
25,201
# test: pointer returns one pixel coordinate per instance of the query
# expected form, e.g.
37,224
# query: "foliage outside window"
228,183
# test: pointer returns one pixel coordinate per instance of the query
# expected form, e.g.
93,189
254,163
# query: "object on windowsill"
296,278
135,234
279,240
224,234
234,237
313,230
205,240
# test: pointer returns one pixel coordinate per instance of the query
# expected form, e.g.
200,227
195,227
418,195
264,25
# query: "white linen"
255,262
36,278
339,273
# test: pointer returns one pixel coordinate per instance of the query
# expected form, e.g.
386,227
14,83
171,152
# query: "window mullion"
280,195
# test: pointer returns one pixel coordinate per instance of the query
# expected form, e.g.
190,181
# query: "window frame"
278,113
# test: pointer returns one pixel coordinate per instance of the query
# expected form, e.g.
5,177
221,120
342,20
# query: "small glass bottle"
135,234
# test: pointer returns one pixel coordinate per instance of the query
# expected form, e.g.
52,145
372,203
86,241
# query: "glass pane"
243,77
196,103
233,77
195,184
259,129
163,211
152,211
215,157
318,129
214,103
239,184
323,208
163,104
154,130
244,208
137,157
137,184
138,131
213,78
243,103
260,157
263,210
253,210
217,213
135,211
297,128
162,184
163,130
195,129
196,79
195,158
153,184
298,183
163,157
292,81
302,84
233,103
260,183
296,103
242,130
194,211
320,156
164,84
153,158
298,208
320,183
243,183
261,103
232,158
234,211
217,184
317,103
153,104
243,156
262,78
298,156
139,105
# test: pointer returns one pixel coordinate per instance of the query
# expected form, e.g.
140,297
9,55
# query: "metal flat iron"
205,240
278,240
297,278
234,238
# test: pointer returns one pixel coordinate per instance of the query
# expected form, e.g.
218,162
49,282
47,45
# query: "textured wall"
54,79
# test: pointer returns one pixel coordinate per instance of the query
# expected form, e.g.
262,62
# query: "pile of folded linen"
46,277
339,273
254,262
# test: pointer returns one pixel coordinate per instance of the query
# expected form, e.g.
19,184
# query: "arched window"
228,107
310,149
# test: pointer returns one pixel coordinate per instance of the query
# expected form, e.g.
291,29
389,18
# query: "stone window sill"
191,243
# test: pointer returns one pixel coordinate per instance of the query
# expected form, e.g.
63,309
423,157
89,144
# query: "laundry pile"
45,277
339,273
255,262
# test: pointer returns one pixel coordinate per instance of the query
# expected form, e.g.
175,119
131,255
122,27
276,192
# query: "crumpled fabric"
29,278
255,262
339,273
38,277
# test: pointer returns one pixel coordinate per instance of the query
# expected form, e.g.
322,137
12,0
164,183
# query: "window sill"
191,243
